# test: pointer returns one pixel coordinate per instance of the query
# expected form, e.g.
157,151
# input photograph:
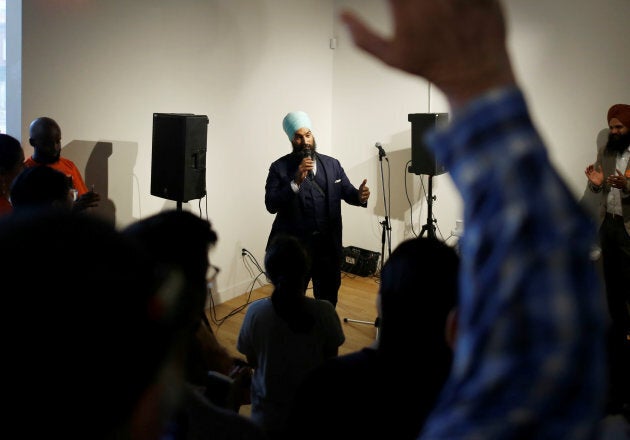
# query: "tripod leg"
376,323
358,321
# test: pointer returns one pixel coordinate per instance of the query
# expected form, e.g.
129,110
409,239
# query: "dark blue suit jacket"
289,206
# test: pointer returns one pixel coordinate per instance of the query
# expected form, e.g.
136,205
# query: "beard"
298,149
618,142
46,158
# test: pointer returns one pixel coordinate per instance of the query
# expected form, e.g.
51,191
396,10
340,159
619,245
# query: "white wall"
101,69
571,58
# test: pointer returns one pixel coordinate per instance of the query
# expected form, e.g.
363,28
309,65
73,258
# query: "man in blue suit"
304,190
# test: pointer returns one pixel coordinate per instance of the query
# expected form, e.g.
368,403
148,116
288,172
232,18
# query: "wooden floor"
357,301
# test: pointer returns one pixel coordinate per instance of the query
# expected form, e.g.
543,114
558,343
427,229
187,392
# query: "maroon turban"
621,112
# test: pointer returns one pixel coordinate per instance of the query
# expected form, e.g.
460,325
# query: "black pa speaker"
422,160
178,163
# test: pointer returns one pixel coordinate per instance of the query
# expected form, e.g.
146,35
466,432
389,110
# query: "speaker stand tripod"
429,227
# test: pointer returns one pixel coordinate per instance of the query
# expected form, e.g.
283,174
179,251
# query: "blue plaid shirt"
530,360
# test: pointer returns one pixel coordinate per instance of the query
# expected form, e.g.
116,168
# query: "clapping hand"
618,180
594,175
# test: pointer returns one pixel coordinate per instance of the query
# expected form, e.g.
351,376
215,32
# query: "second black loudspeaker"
422,159
178,164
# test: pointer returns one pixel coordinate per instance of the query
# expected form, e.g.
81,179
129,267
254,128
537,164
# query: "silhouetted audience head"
287,265
419,285
88,337
11,163
286,261
179,240
11,154
41,186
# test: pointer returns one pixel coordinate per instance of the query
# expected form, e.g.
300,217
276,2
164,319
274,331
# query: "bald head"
41,127
45,137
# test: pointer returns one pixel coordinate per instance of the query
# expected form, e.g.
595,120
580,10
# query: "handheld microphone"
381,152
307,152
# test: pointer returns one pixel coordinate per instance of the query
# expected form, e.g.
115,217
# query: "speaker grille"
178,162
422,159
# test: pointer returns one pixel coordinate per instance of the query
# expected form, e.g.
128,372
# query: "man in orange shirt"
45,137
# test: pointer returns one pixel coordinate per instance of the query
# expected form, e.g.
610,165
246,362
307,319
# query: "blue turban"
293,121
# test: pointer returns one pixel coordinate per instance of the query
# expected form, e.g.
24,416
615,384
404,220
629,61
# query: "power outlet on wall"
459,228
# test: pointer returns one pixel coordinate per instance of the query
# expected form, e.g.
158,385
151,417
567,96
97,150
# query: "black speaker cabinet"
178,163
422,159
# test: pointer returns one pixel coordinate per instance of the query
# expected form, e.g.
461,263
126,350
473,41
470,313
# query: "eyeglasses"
211,275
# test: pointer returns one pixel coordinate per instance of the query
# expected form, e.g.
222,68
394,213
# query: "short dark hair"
11,153
419,287
39,186
286,257
287,264
179,240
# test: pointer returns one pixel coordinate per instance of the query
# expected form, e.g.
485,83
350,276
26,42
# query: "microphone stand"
385,237
386,233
